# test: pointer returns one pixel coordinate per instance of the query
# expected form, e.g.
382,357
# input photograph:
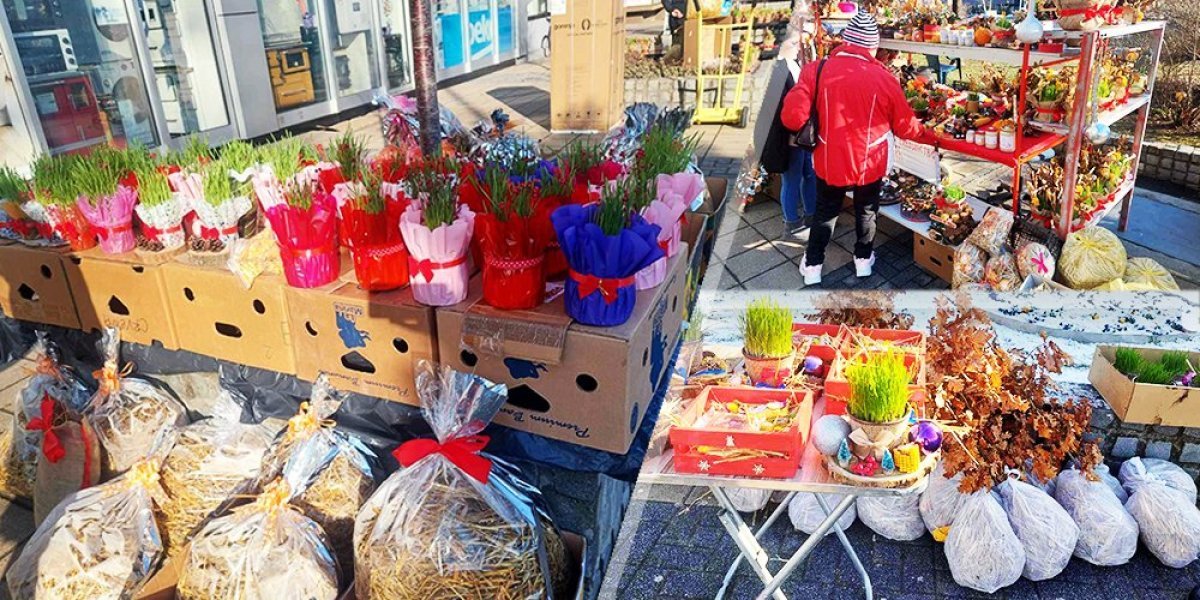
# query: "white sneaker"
862,266
812,274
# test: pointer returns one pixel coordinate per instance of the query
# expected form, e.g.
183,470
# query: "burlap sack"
78,468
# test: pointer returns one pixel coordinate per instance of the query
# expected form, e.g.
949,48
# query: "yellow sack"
1091,257
1147,271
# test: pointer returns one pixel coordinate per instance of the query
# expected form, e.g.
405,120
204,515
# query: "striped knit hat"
862,31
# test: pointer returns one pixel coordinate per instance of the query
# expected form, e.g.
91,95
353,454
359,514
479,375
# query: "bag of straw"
335,470
454,522
99,543
211,460
260,551
128,413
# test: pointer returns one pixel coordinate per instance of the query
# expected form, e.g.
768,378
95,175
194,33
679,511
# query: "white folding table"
660,471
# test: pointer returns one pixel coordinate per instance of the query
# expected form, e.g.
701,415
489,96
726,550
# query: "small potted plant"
370,228
767,344
305,226
160,212
53,204
920,107
1048,102
437,231
513,230
878,403
222,202
14,191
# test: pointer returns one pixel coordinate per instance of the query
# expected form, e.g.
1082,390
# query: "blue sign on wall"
452,36
504,18
480,32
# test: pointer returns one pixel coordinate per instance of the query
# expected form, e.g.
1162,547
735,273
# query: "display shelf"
1006,56
1031,145
1108,117
1115,31
892,211
1116,200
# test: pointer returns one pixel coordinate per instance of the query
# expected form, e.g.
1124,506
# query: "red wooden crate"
837,388
826,352
904,339
685,438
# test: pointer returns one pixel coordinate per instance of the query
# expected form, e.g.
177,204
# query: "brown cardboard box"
587,66
1144,403
121,291
365,342
34,286
216,316
937,259
699,47
585,385
693,230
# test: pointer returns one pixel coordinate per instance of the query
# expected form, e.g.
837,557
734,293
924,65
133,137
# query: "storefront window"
294,53
449,24
481,30
395,30
185,65
354,66
83,72
505,22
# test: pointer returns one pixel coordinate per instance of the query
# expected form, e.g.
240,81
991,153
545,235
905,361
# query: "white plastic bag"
1167,517
1114,484
1047,532
748,499
893,517
1107,533
1137,470
940,502
983,551
806,513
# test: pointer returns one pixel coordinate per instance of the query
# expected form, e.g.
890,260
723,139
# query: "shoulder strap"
816,89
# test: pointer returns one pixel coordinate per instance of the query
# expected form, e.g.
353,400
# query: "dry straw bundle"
334,469
260,551
212,460
128,414
455,523
99,543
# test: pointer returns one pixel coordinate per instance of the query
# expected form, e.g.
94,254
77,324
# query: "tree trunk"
425,78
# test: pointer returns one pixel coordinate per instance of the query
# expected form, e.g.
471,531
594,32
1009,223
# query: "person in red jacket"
858,102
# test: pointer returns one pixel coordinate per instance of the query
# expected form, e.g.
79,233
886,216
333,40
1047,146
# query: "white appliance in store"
353,16
281,21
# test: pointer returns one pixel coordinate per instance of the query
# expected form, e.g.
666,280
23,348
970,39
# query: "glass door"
481,32
179,41
355,68
295,53
397,49
450,35
506,28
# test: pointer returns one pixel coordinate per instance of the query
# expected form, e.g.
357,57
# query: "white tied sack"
1047,532
806,513
1165,472
983,551
1107,533
1166,516
1114,484
940,502
893,517
748,499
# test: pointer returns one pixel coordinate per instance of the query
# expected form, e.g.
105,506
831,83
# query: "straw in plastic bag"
1047,532
940,502
1107,532
1167,517
983,551
1137,470
893,517
806,513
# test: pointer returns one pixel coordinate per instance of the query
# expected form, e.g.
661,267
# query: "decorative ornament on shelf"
812,365
1030,30
928,435
1098,133
829,433
843,454
887,464
907,458
865,467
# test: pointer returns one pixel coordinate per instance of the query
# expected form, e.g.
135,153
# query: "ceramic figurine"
843,454
887,464
907,458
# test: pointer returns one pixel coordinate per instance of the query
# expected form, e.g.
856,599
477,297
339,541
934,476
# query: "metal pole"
745,539
1139,130
809,545
858,566
779,510
425,78
1080,114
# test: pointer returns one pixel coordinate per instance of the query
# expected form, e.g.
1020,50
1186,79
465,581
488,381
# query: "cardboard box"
693,230
587,66
124,291
218,317
34,286
937,259
704,44
365,342
713,207
585,385
1144,403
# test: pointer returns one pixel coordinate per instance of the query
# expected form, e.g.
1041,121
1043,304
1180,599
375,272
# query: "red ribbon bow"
608,286
463,452
212,233
51,445
155,233
426,267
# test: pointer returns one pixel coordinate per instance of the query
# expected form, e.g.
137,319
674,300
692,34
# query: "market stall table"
660,470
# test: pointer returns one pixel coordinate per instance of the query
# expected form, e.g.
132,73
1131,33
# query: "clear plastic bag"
1137,471
940,502
331,471
128,413
1047,532
991,235
970,265
1114,484
983,551
893,517
455,522
99,543
1108,535
211,460
1001,272
1167,517
1091,257
263,550
806,513
748,499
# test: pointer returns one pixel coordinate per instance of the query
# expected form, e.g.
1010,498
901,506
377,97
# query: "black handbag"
806,138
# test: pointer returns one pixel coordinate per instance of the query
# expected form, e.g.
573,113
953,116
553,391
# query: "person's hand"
677,14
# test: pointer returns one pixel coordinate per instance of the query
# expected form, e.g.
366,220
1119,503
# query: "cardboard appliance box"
937,259
216,316
705,44
585,385
365,342
34,286
587,66
124,291
1144,403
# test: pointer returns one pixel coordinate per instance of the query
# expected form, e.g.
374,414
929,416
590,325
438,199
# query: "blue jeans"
799,185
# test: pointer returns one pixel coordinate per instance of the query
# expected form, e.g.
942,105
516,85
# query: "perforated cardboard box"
34,286
125,291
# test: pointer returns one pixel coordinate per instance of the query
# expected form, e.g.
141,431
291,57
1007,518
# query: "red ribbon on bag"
103,232
426,267
608,286
51,445
463,452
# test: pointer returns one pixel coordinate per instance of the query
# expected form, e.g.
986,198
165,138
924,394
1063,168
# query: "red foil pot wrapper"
310,268
381,267
513,284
